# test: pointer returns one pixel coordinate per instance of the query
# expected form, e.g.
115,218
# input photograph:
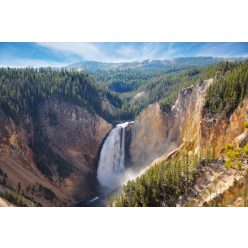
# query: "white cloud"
120,53
20,63
171,52
88,51
128,52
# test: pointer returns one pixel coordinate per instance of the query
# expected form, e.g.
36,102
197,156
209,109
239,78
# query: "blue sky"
60,54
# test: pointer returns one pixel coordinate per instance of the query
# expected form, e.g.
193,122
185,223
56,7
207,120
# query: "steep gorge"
70,139
50,147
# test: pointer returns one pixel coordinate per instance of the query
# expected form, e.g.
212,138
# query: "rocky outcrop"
73,132
70,135
219,130
187,113
146,137
216,185
157,132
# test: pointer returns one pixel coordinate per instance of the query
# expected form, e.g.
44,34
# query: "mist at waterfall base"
111,172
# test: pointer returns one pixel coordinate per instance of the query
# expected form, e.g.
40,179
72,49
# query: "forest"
161,184
22,90
229,90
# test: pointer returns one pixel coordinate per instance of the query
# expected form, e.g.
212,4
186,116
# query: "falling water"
111,166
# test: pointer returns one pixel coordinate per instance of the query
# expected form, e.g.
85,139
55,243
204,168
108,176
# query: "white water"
111,166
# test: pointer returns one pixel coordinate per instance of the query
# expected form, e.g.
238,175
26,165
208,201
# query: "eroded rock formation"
63,138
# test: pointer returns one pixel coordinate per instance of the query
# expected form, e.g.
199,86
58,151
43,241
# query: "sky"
58,54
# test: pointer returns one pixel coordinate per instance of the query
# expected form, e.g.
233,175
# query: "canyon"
157,134
76,148
102,158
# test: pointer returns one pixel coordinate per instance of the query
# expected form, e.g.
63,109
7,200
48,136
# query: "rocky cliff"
53,155
216,131
147,137
156,132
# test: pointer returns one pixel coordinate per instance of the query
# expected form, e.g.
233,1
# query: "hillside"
128,77
175,63
54,124
139,84
192,140
51,130
22,90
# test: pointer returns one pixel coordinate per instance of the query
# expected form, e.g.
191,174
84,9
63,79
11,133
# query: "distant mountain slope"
129,76
139,84
92,66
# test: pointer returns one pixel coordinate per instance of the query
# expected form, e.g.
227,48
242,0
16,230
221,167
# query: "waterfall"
111,166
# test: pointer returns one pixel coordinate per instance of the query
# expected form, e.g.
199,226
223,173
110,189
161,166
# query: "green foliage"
224,95
15,198
162,87
245,150
161,184
46,192
22,90
157,82
146,65
234,156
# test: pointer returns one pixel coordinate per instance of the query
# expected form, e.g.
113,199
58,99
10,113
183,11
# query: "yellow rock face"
156,133
219,131
148,136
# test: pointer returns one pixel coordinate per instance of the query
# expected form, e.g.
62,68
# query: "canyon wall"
146,138
157,132
64,139
57,150
219,130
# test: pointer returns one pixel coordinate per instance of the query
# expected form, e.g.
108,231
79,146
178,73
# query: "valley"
75,136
